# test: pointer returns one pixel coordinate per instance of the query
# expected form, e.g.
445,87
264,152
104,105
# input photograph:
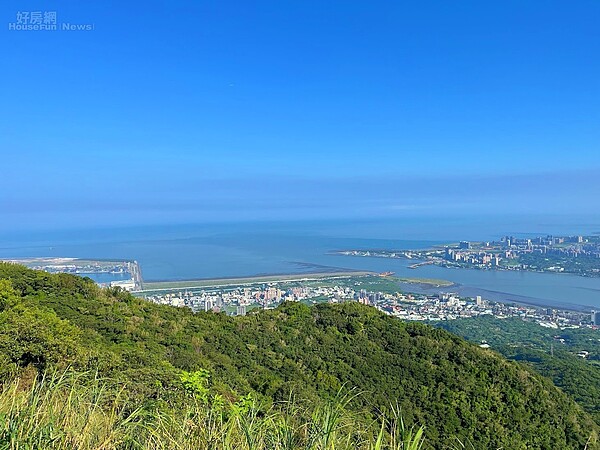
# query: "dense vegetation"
549,351
160,363
77,411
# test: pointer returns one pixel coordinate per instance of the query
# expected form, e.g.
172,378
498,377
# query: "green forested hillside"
549,351
155,354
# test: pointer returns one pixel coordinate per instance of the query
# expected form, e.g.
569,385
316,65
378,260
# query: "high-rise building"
595,317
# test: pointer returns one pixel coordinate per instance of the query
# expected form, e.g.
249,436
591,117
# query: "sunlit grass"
82,411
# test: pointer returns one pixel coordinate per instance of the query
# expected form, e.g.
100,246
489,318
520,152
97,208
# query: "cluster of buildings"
238,300
449,307
444,306
561,245
481,257
500,253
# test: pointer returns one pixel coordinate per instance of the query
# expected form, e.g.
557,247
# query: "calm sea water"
106,277
228,250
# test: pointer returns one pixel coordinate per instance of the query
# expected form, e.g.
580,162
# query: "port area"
116,273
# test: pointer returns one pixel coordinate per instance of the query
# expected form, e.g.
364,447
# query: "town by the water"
579,255
573,254
375,290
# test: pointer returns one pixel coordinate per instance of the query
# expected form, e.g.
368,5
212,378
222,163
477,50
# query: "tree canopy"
435,378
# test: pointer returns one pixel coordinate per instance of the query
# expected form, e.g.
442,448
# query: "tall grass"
62,411
79,411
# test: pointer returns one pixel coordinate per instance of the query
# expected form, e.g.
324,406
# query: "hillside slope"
457,390
551,352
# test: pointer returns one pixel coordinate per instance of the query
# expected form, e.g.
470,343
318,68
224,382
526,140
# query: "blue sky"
191,111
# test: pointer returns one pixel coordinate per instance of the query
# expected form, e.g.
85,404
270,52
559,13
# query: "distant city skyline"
191,112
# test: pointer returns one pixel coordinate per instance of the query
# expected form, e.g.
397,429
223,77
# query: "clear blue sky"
191,111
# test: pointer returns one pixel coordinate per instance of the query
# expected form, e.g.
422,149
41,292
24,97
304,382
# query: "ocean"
214,250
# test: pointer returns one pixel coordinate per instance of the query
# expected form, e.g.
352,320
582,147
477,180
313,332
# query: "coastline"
541,303
423,285
507,298
446,265
157,285
405,282
427,282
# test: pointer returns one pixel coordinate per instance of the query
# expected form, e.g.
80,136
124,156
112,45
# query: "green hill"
157,355
551,352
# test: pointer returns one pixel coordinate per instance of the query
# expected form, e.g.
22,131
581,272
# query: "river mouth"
171,255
